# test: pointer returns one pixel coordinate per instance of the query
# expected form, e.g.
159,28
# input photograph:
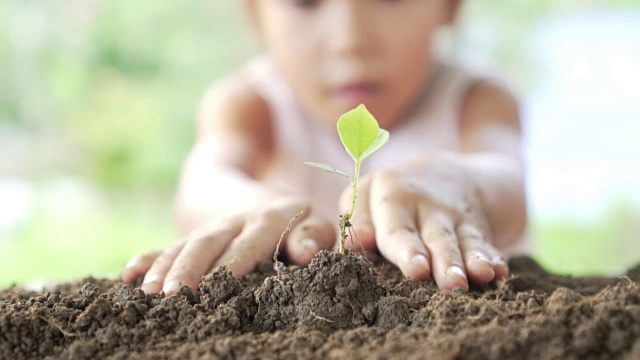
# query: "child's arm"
221,177
446,214
492,140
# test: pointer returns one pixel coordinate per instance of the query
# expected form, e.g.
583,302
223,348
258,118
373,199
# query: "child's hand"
241,242
428,219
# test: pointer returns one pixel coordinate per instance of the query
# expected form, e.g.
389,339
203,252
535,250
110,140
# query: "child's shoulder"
475,84
489,110
479,92
490,101
234,124
233,104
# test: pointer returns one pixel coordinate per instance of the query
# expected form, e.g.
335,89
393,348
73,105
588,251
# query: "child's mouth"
356,93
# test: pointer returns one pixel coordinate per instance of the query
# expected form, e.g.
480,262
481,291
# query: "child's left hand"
428,219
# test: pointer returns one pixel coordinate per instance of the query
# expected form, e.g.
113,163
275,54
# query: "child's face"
336,54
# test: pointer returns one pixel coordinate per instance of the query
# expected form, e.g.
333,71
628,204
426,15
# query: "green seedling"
361,136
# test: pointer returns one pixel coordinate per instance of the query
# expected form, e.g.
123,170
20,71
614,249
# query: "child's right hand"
241,242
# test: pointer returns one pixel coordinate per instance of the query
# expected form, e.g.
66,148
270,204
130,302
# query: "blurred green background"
97,101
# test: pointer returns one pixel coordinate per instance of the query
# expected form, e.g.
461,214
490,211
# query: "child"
441,200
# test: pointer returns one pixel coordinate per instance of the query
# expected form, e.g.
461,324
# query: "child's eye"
307,4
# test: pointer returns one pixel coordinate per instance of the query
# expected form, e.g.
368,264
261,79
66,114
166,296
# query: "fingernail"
149,278
171,286
310,245
132,263
418,267
499,261
419,261
457,271
482,257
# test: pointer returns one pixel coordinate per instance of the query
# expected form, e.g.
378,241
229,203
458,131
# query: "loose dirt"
340,307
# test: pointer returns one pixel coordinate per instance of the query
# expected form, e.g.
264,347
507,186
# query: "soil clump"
338,307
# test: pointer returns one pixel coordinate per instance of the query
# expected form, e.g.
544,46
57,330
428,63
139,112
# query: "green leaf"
326,167
358,130
383,138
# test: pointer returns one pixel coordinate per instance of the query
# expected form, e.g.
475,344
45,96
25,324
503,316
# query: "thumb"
312,234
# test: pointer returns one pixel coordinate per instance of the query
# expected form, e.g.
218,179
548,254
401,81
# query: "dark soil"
340,307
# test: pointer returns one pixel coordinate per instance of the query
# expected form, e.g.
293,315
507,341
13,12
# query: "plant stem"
343,233
354,189
346,217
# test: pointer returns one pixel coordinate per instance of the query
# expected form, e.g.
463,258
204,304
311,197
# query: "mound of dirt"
339,307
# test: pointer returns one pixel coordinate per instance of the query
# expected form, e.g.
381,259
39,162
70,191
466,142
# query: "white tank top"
434,124
298,137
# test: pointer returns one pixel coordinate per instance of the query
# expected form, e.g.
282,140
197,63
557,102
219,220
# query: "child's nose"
350,31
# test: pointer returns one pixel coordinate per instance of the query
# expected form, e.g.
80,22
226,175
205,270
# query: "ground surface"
338,308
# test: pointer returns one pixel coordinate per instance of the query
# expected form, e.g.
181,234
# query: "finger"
397,235
154,278
438,234
139,265
201,249
477,258
311,235
362,225
259,237
500,266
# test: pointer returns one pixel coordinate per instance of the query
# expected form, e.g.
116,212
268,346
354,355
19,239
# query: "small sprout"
361,136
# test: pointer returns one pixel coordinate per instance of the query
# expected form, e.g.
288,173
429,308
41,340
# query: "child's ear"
452,8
